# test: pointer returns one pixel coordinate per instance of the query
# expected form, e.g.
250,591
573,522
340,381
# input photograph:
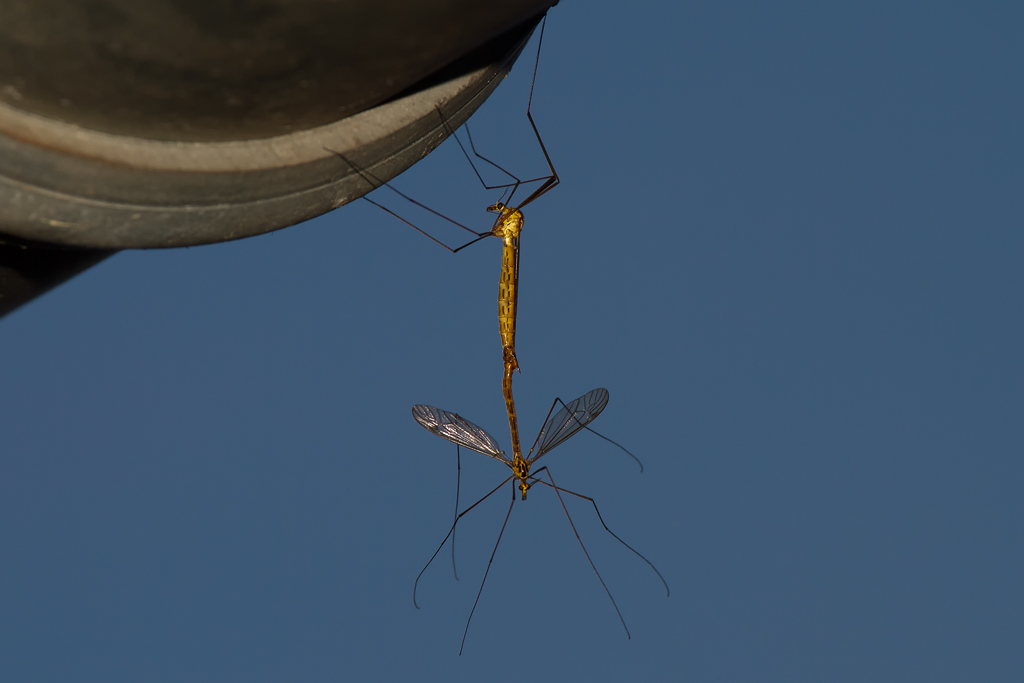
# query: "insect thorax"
521,469
509,223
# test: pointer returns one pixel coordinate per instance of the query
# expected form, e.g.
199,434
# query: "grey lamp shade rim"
63,184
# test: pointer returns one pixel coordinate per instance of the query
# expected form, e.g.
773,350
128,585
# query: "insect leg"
450,531
551,181
614,443
487,571
592,565
458,481
601,519
451,131
375,183
546,418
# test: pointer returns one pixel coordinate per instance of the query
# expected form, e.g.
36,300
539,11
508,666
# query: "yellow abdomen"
508,228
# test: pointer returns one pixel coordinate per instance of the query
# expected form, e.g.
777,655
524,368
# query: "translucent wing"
571,418
458,430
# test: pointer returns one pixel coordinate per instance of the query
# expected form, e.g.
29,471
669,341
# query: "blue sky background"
787,240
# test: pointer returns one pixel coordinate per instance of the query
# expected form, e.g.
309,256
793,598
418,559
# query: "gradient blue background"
787,240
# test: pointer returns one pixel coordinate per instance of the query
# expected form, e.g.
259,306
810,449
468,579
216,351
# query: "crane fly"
508,224
570,419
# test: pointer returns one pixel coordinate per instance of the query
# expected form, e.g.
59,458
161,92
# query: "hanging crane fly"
508,224
570,418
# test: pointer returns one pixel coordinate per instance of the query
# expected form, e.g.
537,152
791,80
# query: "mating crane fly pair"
563,424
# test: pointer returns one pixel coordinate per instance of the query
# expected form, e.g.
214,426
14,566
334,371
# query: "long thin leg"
492,163
375,183
451,132
450,531
458,481
423,232
514,185
615,443
549,181
592,565
594,431
487,571
477,154
553,180
601,519
546,418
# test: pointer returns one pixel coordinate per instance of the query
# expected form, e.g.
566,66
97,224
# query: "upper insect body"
571,418
508,226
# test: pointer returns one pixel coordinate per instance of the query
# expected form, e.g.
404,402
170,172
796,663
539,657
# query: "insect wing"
458,430
571,418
